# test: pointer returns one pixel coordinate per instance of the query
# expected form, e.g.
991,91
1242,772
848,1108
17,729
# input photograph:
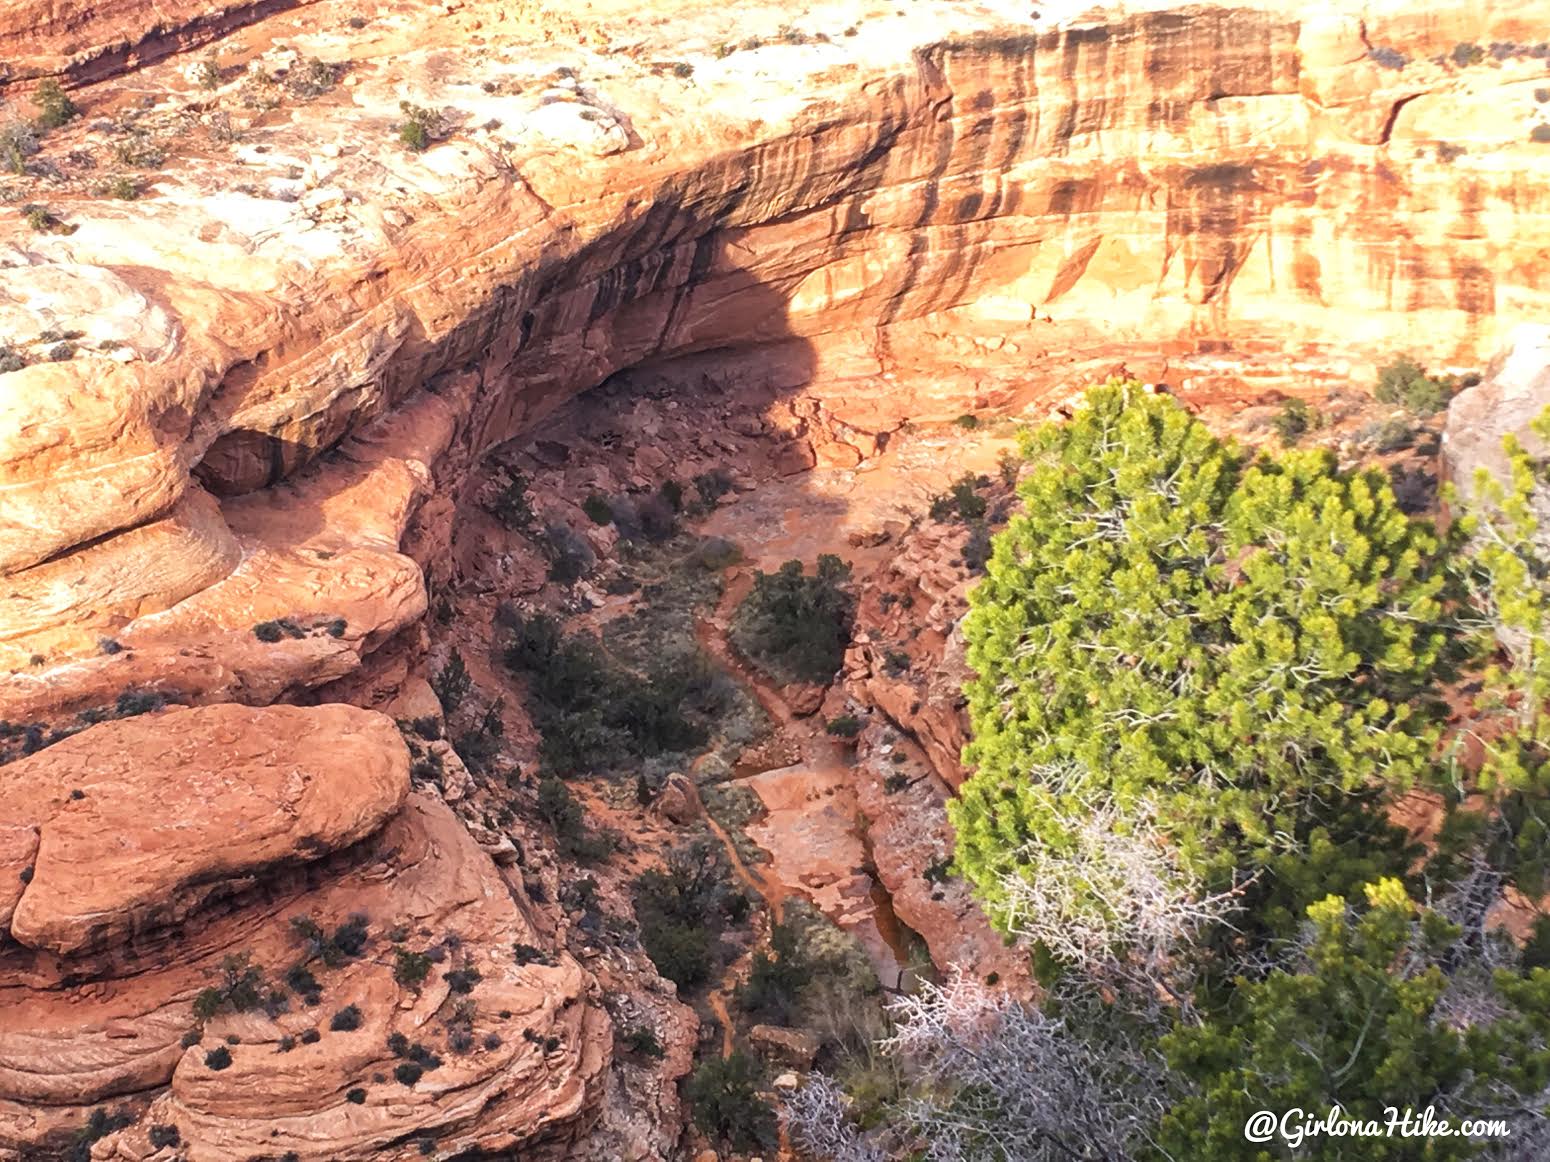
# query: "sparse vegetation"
844,726
1405,382
421,127
962,500
241,988
452,682
724,1094
410,968
1295,420
346,1020
680,909
54,106
794,625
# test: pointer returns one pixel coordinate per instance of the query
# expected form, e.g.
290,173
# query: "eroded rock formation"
251,399
163,846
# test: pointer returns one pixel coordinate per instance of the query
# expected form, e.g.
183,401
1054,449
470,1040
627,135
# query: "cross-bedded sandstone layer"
1211,193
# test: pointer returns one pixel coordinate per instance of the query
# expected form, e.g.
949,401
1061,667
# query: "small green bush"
967,422
410,968
54,107
1295,420
1540,134
452,682
346,1020
845,726
963,500
356,1096
642,1040
218,1058
725,1095
797,626
420,128
679,908
164,1136
1406,383
241,988
1467,54
597,508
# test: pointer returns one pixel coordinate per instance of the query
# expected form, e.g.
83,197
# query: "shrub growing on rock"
794,625
54,106
679,908
346,1020
725,1095
1405,382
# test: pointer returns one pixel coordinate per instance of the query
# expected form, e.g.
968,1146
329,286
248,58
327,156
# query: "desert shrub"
642,1041
98,1125
408,1072
54,106
590,711
356,1096
962,500
597,508
679,909
139,150
452,682
477,747
511,505
844,726
164,1136
462,980
311,78
570,556
559,809
1389,58
346,943
18,142
218,1058
797,626
1540,134
1406,383
967,422
977,548
240,989
420,128
1295,420
776,978
724,1093
1464,54
41,218
11,359
712,486
410,968
346,1020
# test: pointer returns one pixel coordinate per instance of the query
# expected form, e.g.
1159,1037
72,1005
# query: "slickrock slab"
139,820
521,1078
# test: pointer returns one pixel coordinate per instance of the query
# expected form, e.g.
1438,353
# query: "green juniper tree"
1224,645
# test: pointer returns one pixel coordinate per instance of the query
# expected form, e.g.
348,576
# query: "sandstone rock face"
163,847
137,818
1513,393
294,349
1215,194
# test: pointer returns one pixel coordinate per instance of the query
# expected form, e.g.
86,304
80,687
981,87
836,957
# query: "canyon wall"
1214,195
240,407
